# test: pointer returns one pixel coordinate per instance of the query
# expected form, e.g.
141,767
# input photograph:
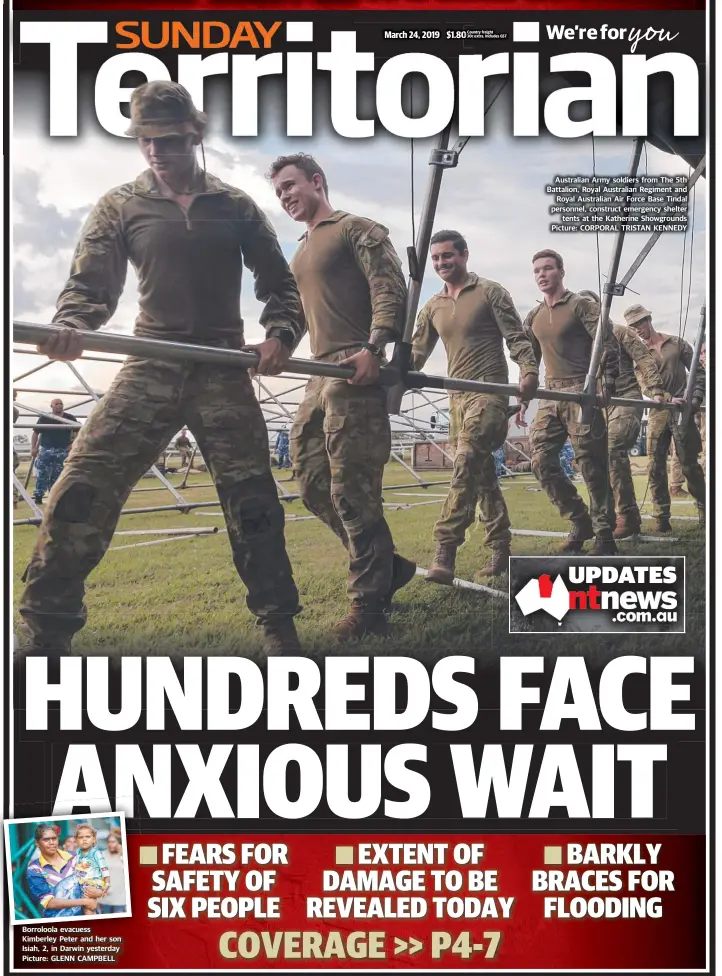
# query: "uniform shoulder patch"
373,235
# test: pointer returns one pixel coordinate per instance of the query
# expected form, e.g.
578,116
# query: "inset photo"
67,868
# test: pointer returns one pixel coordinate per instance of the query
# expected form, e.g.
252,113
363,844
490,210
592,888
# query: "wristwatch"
373,349
285,335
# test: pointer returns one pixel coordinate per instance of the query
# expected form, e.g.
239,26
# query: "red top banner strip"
210,6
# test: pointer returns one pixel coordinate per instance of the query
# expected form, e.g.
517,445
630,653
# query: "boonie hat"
163,108
635,313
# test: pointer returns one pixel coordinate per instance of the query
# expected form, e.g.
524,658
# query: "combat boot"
402,573
627,527
604,545
442,568
582,530
678,493
361,620
662,524
280,637
28,644
498,564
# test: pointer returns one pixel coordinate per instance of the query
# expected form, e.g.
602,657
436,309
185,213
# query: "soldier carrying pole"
188,236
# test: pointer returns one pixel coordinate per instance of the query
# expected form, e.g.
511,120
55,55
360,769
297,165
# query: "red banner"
381,901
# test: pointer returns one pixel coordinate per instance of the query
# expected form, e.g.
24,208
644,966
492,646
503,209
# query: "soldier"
353,294
673,357
187,235
562,329
624,424
184,447
474,317
676,475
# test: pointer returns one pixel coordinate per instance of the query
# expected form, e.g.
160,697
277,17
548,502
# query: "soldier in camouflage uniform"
636,366
562,329
673,357
676,475
188,235
353,295
473,316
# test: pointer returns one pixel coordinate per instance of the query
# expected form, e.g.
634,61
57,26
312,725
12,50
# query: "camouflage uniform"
189,269
564,334
676,476
703,438
351,284
673,360
636,366
473,327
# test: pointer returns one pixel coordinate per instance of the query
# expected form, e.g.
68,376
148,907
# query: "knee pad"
355,512
256,506
462,469
74,503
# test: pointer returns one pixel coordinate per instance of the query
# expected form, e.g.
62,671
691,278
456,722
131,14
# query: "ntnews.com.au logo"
602,595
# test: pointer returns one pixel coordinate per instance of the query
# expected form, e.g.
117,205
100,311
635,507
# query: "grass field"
185,597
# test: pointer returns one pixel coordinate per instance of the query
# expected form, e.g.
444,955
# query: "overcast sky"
495,198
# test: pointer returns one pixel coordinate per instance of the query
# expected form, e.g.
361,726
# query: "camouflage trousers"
145,405
688,442
340,443
478,428
623,427
555,421
48,467
676,475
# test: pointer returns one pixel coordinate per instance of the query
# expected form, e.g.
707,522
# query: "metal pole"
30,471
188,352
35,369
184,483
27,498
610,289
637,263
693,369
178,351
439,161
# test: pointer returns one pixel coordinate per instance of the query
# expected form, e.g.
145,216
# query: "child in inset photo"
91,871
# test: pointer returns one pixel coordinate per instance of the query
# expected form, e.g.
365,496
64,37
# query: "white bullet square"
526,32
299,31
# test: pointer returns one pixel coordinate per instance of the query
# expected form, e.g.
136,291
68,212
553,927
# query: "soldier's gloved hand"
528,386
367,368
274,356
65,345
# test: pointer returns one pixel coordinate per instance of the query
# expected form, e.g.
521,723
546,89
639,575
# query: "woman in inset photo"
51,878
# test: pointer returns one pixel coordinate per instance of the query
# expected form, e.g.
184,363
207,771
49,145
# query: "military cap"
635,313
163,108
